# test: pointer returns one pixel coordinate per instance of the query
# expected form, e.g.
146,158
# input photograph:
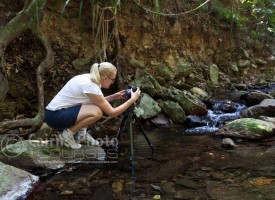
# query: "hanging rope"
170,14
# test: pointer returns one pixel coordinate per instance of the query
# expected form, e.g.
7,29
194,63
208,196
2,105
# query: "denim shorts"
63,118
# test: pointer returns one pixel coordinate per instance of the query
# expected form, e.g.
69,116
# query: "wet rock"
228,143
15,183
194,121
226,106
160,121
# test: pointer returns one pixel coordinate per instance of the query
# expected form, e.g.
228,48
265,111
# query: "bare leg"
87,115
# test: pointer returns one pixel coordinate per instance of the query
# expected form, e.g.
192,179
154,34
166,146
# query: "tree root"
28,19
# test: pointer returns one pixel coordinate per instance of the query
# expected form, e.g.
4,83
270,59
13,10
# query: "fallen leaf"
261,181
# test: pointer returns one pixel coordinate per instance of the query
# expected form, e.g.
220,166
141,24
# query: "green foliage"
254,18
262,14
229,13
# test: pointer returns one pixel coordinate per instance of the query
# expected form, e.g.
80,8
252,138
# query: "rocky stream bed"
182,167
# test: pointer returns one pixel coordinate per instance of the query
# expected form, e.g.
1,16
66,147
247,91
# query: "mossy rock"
248,128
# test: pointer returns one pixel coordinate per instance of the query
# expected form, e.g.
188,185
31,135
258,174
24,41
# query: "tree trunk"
28,19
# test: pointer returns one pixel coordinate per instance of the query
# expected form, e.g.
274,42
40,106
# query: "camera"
128,91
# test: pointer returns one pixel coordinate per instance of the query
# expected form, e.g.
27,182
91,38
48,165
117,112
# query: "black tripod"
128,117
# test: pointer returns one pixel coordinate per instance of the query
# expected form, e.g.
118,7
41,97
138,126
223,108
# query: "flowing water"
216,117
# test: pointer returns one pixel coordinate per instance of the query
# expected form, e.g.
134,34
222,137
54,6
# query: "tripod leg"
132,156
144,134
122,126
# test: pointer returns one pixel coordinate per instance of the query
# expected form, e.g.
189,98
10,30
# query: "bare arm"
116,96
102,103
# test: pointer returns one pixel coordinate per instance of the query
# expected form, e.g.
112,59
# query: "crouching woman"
81,103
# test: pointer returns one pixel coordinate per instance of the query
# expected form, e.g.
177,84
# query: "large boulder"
147,107
268,119
166,73
214,74
248,128
147,83
174,111
190,103
183,68
37,154
15,183
265,108
254,98
201,94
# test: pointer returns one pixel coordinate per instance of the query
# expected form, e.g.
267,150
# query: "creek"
182,167
188,163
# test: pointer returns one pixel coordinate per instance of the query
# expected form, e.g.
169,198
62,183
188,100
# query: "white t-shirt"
74,93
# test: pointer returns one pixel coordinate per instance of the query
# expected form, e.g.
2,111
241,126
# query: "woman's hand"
135,95
120,94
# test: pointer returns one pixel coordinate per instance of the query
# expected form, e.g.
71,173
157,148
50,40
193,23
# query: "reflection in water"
216,117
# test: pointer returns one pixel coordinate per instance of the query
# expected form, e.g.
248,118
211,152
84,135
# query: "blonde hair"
101,69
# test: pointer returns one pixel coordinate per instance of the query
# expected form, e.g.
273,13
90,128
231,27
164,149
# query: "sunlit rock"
15,183
247,128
